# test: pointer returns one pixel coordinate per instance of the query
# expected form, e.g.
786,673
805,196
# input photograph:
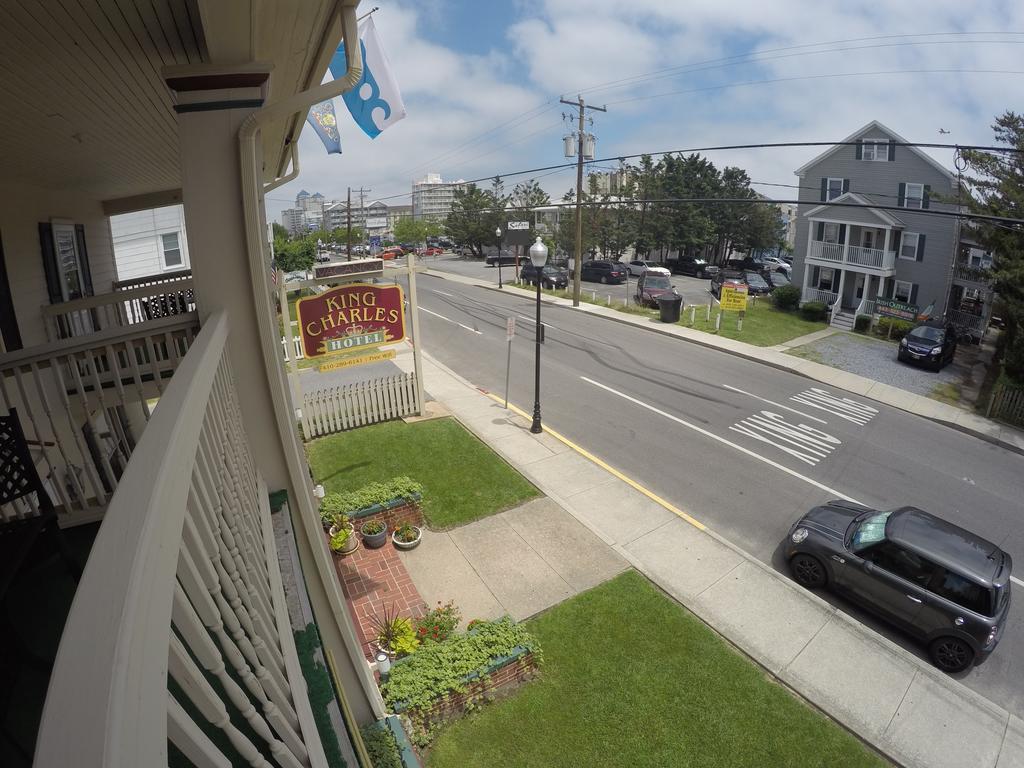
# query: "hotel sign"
348,268
351,317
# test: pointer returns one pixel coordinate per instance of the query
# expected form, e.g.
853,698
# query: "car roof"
658,271
945,544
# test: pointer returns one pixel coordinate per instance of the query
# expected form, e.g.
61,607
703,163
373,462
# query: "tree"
280,231
296,255
997,187
411,230
528,195
473,218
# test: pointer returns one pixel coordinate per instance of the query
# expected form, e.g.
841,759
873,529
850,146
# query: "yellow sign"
734,298
349,362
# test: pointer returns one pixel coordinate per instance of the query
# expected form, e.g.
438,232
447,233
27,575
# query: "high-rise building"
432,197
294,220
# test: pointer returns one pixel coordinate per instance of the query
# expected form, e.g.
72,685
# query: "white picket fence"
297,343
347,406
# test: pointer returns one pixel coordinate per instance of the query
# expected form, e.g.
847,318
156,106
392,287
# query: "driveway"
876,359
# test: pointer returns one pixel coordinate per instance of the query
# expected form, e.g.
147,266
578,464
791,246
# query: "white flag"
375,102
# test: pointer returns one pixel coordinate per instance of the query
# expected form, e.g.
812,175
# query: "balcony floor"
38,606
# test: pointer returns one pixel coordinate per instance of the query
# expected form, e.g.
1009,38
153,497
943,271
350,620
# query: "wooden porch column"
211,108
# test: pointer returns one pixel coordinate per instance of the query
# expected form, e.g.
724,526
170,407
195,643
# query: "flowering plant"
438,623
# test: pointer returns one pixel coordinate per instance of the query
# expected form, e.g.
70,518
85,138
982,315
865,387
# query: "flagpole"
372,10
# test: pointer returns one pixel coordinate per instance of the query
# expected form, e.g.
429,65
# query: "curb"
750,356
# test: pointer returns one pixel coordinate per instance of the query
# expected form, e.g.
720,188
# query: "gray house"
847,257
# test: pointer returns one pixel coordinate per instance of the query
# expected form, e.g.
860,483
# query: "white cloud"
557,46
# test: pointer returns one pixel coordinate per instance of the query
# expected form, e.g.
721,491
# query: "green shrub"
375,493
862,323
437,668
900,328
786,297
814,310
1013,359
381,746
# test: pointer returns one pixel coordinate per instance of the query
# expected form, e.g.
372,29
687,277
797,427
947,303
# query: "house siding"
137,241
879,181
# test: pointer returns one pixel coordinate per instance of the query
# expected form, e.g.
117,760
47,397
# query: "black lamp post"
538,257
497,234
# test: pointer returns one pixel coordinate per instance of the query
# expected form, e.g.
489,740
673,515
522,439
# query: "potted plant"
395,634
375,533
407,536
342,533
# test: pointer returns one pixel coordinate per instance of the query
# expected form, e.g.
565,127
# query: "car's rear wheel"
604,279
701,275
808,571
951,654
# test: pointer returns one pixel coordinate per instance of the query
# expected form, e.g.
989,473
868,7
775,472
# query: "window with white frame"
834,189
171,247
903,291
908,246
875,149
914,196
830,232
826,279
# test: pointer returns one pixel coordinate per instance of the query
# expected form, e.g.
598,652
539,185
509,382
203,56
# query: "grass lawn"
632,679
948,392
462,478
764,325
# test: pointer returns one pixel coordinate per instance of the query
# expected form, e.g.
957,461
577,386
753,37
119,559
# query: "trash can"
670,304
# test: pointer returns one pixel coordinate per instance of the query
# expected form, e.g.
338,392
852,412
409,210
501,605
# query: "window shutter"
842,233
892,150
846,185
927,192
897,238
815,276
920,247
913,294
901,196
50,263
860,150
824,189
84,258
821,231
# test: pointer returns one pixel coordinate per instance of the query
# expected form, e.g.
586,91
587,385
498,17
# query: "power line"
822,77
756,58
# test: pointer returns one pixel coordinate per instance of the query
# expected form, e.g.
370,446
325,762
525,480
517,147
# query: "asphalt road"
702,429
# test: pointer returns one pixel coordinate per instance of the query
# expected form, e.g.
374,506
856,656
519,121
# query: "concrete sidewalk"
991,431
898,703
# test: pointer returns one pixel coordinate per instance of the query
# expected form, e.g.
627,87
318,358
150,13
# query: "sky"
481,80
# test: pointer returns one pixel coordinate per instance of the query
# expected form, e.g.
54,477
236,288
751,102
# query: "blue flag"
321,116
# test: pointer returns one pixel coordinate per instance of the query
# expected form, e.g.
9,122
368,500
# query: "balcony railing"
967,322
84,401
828,298
838,253
182,584
969,274
826,251
130,303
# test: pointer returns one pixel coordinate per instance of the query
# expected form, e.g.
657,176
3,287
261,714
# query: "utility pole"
362,209
578,256
348,237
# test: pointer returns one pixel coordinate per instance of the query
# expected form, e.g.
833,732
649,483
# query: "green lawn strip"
463,479
763,326
808,352
947,392
632,679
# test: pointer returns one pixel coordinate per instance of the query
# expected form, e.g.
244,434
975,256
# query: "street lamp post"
497,234
539,257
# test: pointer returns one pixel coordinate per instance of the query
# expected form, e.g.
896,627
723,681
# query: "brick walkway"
373,579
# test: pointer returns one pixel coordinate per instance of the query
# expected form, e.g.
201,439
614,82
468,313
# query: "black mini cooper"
933,579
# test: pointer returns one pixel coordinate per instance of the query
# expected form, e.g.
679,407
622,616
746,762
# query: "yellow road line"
608,468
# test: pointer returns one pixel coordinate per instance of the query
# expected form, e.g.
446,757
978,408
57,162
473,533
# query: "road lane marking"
608,468
777,405
453,322
809,445
1018,581
443,293
719,438
843,407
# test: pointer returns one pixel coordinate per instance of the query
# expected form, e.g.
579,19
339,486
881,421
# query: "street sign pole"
510,333
417,344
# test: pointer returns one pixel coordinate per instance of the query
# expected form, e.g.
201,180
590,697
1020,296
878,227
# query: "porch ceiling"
85,105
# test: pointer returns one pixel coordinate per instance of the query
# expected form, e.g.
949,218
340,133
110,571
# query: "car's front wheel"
808,571
951,654
604,279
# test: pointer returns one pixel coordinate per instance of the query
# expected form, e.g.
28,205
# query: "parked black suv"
603,271
690,265
932,343
550,275
934,579
507,257
726,276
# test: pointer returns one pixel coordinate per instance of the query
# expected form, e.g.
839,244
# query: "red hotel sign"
349,317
